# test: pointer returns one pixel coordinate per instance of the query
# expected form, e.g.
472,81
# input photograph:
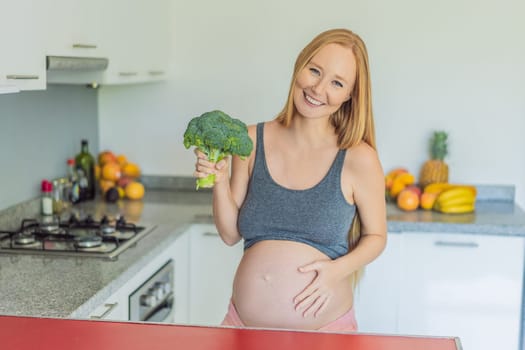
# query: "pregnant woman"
309,201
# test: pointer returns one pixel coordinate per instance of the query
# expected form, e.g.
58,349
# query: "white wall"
452,65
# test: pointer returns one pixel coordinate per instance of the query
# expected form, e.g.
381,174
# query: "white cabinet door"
73,28
114,308
462,285
179,252
137,35
376,298
22,62
212,269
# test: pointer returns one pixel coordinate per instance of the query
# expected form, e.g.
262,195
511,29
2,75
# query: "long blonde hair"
353,121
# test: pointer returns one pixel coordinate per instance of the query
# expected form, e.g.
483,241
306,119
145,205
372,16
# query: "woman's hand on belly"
317,295
268,280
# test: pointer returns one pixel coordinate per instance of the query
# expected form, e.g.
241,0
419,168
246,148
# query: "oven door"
154,300
164,313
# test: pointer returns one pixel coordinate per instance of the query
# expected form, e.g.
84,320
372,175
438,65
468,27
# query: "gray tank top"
319,216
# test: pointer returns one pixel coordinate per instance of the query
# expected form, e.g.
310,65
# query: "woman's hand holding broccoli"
216,135
204,168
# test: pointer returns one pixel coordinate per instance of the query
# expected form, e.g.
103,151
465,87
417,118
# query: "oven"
154,300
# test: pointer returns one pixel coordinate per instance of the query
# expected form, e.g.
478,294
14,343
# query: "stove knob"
148,300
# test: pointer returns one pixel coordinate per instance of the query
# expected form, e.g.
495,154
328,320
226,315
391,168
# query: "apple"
124,181
415,189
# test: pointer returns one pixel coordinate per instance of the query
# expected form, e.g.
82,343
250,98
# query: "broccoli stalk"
217,135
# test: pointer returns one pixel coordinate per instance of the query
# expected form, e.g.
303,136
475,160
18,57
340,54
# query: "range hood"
76,70
76,64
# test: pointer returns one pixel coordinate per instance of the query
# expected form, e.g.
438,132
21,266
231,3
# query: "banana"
457,192
455,201
437,187
458,209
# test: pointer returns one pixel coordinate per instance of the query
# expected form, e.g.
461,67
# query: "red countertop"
22,333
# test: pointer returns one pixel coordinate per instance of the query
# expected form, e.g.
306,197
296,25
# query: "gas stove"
105,238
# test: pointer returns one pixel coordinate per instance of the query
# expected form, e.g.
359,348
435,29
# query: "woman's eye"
337,83
315,71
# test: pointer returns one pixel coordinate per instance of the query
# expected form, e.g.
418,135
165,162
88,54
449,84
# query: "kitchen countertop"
73,285
36,333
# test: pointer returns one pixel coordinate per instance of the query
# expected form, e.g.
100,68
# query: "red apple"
415,189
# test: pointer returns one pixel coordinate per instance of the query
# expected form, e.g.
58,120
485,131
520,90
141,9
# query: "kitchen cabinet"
133,35
376,299
137,34
22,62
74,28
212,270
462,285
179,253
114,308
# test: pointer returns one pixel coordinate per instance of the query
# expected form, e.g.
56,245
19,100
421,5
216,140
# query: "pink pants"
345,323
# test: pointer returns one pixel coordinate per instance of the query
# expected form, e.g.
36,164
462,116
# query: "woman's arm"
228,193
368,189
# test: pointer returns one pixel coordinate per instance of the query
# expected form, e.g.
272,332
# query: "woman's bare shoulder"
361,157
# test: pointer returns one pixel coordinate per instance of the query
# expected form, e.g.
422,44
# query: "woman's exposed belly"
267,280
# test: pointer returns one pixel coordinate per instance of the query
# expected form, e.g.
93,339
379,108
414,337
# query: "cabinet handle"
22,77
127,74
456,244
156,72
84,46
110,306
210,234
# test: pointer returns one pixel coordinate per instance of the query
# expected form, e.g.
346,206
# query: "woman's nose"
319,86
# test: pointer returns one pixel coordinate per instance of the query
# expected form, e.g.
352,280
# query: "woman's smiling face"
326,82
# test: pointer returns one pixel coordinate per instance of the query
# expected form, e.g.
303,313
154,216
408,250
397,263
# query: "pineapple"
435,169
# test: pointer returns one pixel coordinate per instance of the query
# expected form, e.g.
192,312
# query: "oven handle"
110,307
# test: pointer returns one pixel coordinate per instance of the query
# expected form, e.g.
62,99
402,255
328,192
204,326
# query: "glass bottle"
73,195
46,198
85,165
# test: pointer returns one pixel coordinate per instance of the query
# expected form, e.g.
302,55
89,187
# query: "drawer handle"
210,234
110,306
156,72
127,74
84,46
22,77
456,244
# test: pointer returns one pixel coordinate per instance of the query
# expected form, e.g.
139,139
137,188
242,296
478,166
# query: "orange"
106,157
134,190
105,185
97,171
111,171
408,200
131,170
427,200
122,160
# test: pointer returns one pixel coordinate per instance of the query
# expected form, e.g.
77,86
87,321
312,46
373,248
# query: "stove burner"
49,224
88,241
107,229
74,236
49,227
24,239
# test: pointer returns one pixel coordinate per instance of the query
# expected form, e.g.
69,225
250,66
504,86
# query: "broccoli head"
217,135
